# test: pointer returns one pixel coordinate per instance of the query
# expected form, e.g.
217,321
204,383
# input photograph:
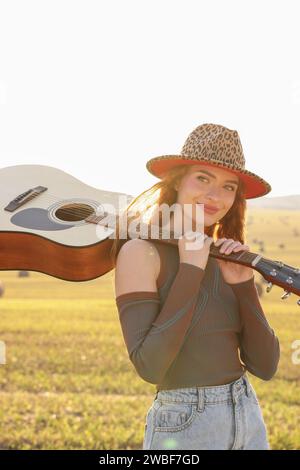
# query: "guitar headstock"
281,274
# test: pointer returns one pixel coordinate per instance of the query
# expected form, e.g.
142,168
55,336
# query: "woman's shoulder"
140,251
162,257
137,267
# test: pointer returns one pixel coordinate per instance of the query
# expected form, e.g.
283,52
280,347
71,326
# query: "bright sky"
96,88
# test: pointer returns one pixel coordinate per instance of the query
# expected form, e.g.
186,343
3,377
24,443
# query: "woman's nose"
214,193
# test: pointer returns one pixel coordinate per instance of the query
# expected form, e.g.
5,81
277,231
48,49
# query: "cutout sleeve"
155,334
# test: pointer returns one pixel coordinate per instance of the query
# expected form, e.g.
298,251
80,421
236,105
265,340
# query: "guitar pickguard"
37,219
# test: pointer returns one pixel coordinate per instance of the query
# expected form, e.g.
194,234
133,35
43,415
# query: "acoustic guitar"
53,223
48,223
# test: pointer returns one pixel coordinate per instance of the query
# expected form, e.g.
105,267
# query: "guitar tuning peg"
298,302
285,295
269,287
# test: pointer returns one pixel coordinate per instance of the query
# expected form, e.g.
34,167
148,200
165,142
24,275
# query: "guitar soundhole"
74,212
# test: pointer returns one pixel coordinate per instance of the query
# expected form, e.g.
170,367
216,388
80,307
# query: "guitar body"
46,231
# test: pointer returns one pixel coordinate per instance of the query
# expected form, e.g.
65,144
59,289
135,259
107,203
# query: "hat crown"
215,143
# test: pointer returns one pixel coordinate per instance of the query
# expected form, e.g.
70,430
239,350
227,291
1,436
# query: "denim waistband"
209,394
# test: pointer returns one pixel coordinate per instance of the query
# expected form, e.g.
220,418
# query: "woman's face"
209,186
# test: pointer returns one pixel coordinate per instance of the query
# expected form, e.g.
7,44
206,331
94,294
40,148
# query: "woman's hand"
190,255
233,273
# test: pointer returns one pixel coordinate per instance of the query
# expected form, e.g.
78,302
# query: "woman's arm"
153,333
259,346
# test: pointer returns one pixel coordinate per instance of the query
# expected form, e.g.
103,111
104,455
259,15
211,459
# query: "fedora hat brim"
255,186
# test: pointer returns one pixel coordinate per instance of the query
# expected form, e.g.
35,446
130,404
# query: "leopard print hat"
213,145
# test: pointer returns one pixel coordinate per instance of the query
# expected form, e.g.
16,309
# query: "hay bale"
2,289
23,273
259,288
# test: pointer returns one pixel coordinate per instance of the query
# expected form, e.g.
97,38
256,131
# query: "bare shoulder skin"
137,267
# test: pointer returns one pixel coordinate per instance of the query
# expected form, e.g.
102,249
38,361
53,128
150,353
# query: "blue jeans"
219,417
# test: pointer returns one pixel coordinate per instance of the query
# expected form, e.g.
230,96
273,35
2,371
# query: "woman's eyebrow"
213,176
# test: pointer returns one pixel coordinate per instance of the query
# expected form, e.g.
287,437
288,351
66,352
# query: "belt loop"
201,401
233,392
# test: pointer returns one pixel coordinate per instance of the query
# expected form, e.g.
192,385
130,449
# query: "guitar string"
85,213
74,211
49,197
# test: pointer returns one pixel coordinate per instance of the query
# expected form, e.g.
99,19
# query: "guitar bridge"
24,197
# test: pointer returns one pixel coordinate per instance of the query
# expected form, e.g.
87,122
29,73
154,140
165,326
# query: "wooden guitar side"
30,252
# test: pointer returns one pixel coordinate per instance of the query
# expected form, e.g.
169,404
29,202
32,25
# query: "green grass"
68,382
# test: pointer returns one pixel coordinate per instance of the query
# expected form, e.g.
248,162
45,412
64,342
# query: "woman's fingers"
241,247
228,242
219,241
229,245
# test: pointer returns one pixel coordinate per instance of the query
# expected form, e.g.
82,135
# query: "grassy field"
68,382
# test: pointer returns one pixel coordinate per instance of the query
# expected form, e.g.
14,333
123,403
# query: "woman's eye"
228,186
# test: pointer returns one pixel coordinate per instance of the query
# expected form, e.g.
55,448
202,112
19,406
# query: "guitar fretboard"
156,233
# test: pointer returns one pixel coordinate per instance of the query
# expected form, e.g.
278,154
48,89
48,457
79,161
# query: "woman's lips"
210,211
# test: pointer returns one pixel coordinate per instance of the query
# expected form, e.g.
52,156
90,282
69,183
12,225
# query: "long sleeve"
259,346
154,335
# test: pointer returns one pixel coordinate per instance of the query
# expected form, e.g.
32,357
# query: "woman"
193,325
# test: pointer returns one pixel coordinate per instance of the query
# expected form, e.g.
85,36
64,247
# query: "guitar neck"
275,272
245,258
157,234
